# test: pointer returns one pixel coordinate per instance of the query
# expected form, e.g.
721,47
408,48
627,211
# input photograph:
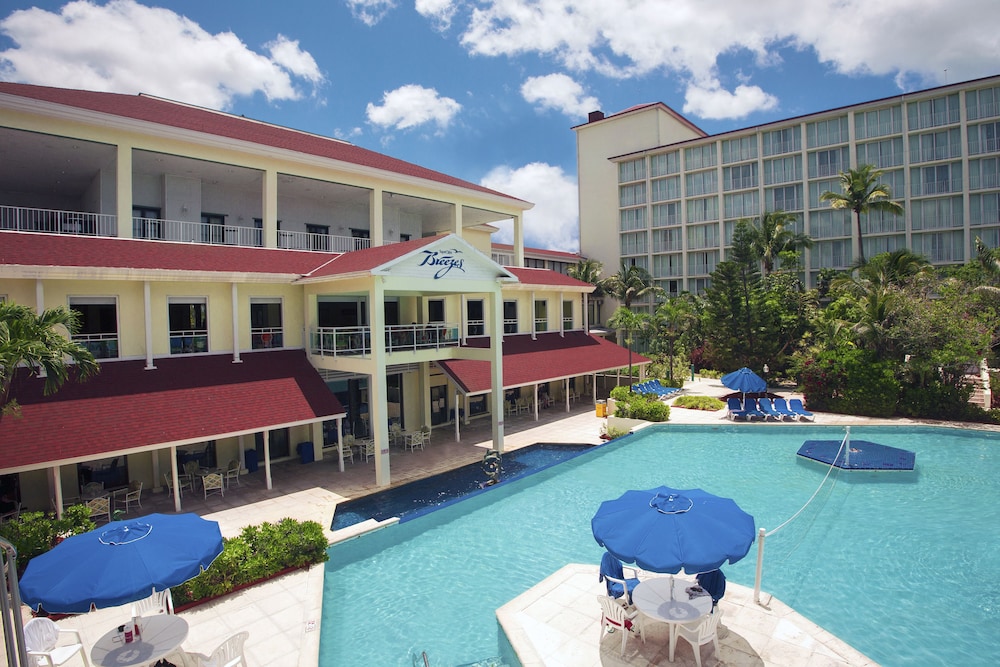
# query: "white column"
155,455
496,366
458,435
176,478
531,309
147,306
39,296
236,325
535,391
562,325
55,479
586,313
340,443
376,228
566,392
267,459
269,195
377,385
518,241
123,187
242,455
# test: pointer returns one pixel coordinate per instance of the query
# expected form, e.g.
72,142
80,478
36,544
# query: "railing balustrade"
51,221
356,341
102,346
264,338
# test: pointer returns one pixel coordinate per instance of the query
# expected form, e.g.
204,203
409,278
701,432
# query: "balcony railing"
264,338
356,341
977,146
21,219
320,242
102,346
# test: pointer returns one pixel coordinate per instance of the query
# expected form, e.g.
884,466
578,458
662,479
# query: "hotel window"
700,285
817,188
739,177
665,188
266,330
783,170
831,254
702,182
671,287
934,180
700,210
98,331
940,246
936,213
882,222
984,209
475,320
989,236
743,205
786,198
983,138
319,237
541,315
362,237
435,310
188,320
666,215
829,163
827,132
634,170
630,195
699,157
567,318
876,245
633,244
667,240
878,123
737,150
665,266
510,317
983,103
703,236
786,140
936,145
702,263
664,163
632,218
932,113
830,223
882,154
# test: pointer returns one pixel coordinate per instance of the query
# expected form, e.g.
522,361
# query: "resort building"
255,293
657,192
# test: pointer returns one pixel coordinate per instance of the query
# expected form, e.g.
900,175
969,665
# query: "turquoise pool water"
901,565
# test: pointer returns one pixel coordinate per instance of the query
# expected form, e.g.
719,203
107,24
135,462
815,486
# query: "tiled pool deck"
283,616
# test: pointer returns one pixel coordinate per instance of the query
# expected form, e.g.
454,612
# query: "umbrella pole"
760,565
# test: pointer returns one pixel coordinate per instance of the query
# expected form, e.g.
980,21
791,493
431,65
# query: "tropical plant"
861,193
771,235
671,320
631,283
589,271
708,403
40,343
629,322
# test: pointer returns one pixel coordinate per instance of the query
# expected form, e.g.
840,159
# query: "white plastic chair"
40,638
134,496
699,634
160,602
233,473
614,616
228,654
213,483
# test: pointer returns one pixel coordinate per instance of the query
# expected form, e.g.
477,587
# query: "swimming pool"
901,565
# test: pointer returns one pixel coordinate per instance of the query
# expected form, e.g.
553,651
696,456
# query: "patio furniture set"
765,409
211,480
364,448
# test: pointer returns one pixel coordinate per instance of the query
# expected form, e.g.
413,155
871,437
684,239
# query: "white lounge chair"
615,617
41,637
699,634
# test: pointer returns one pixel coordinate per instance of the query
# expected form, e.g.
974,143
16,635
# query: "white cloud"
412,105
553,223
914,40
439,11
559,92
125,47
710,100
370,12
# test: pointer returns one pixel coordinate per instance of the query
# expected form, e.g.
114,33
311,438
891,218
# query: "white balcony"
50,221
356,341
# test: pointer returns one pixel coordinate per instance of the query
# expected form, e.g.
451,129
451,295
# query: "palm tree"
38,342
672,320
629,322
862,193
630,283
771,234
589,271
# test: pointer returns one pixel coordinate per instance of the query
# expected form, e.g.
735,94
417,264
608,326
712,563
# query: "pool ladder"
421,660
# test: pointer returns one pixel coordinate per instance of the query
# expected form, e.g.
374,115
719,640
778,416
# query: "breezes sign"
443,261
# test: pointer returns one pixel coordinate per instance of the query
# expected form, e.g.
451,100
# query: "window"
188,321
630,195
698,157
703,236
876,245
633,244
665,163
362,237
702,182
938,179
665,188
983,138
277,443
666,215
932,113
940,246
541,315
319,237
665,266
510,317
882,154
700,210
435,310
783,170
265,323
633,170
739,177
982,103
786,198
830,223
878,123
475,321
403,238
936,145
829,163
567,317
831,254
212,227
984,209
667,240
742,205
98,325
827,132
700,285
738,150
702,263
632,218
146,222
881,222
786,140
936,213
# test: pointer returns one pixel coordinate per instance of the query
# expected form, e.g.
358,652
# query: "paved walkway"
283,615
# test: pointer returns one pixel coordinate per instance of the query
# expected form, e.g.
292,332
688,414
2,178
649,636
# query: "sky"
488,90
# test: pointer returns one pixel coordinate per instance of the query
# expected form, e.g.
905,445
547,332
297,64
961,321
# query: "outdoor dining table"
159,635
665,599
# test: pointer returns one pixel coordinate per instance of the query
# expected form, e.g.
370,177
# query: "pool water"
901,565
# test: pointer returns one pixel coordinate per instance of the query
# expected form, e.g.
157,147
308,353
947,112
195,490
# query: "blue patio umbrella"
667,530
744,380
120,562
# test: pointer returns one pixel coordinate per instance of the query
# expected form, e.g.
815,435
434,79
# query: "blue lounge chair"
750,407
764,404
736,410
781,408
613,575
795,404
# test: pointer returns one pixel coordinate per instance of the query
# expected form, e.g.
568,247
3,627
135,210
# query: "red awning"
547,358
185,399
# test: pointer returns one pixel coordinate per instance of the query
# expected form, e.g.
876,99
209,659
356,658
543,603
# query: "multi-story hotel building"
657,192
253,292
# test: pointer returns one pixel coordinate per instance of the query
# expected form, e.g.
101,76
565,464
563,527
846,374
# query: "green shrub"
34,533
699,403
710,374
256,554
849,381
631,405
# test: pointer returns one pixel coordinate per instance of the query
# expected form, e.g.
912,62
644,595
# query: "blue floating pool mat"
864,455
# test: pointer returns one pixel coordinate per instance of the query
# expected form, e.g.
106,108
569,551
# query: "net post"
761,534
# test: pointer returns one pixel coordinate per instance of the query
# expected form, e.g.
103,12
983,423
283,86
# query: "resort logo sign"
444,260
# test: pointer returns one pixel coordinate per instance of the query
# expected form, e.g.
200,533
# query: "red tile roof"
32,249
192,398
546,277
197,119
549,357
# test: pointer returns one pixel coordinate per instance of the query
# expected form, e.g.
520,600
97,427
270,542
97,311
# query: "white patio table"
666,600
159,635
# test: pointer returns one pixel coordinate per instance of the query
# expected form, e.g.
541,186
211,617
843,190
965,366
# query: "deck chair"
228,654
347,447
160,602
781,408
699,634
367,449
416,439
617,618
233,473
100,508
613,574
764,405
750,407
795,405
134,495
213,483
735,410
41,638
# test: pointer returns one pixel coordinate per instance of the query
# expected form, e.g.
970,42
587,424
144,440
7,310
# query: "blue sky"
488,90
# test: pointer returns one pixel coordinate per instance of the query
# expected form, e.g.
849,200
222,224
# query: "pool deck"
560,614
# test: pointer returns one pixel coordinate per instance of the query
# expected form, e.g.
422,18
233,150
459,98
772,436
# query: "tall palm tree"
39,342
772,234
589,271
861,192
630,283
